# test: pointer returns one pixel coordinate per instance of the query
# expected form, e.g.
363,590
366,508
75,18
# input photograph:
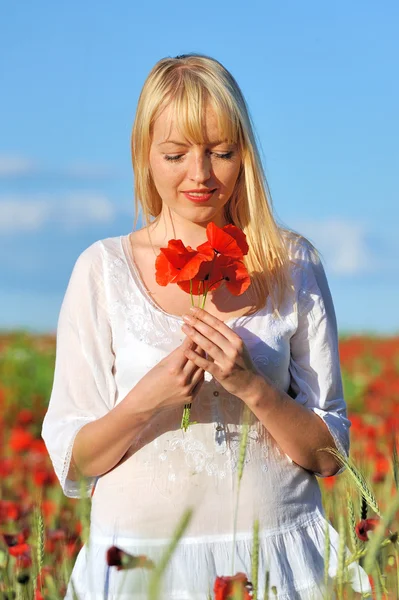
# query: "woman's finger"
187,365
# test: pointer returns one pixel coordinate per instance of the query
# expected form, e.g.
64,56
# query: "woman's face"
181,170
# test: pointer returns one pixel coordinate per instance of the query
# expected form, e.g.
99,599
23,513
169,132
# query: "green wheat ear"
154,586
38,526
255,561
352,523
358,479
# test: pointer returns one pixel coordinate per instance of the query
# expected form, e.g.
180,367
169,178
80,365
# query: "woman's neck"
166,227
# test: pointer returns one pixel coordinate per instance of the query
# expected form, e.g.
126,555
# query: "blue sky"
322,87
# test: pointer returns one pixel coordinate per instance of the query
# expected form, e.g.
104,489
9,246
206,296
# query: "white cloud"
11,166
343,245
71,210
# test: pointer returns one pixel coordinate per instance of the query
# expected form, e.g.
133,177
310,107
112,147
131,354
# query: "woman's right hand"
173,382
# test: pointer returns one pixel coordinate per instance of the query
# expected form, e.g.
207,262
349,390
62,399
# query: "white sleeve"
315,365
83,386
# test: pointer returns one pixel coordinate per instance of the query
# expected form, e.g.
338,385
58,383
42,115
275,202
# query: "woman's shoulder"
299,248
94,254
93,261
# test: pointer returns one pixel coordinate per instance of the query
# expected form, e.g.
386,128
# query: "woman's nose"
200,168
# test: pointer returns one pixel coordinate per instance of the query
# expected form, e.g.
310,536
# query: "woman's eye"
179,157
173,158
224,156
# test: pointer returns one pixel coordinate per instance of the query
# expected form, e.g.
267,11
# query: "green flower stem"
355,557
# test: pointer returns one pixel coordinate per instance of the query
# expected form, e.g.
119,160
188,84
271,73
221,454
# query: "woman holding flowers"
225,408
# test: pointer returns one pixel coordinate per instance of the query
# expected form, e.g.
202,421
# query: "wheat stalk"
240,470
154,586
358,479
327,550
360,553
341,555
352,523
267,586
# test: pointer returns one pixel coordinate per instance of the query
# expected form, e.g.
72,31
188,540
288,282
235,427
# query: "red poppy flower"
176,262
39,447
9,511
25,416
15,539
6,467
43,477
19,549
227,588
123,560
20,439
212,274
364,526
228,240
49,508
214,261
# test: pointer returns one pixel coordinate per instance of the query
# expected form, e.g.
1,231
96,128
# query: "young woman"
128,360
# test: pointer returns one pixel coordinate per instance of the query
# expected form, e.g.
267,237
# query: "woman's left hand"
228,358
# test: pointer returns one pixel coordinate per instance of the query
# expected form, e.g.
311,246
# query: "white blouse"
110,334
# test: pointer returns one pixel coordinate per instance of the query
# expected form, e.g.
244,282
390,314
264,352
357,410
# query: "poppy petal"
239,237
223,242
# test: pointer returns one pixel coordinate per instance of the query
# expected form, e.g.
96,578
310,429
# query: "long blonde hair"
190,83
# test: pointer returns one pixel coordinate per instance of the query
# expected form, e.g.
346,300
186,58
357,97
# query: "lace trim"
72,488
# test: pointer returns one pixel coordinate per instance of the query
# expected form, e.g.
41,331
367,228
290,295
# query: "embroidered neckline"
129,259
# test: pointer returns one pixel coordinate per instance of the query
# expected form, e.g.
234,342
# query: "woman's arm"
298,431
314,417
100,445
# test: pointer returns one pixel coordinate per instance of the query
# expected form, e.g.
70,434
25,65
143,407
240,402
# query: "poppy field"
41,530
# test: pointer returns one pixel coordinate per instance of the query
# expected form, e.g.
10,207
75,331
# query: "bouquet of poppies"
198,271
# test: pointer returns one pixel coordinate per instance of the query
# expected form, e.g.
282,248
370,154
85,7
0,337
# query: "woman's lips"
199,197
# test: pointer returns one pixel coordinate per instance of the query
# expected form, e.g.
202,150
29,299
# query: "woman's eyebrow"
173,142
184,144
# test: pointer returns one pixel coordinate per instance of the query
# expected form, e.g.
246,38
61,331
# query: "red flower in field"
382,466
9,511
364,526
24,561
15,539
227,588
329,482
48,508
44,477
20,439
19,549
6,467
123,560
39,447
24,417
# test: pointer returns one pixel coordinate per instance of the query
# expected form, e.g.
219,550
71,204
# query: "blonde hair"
191,83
